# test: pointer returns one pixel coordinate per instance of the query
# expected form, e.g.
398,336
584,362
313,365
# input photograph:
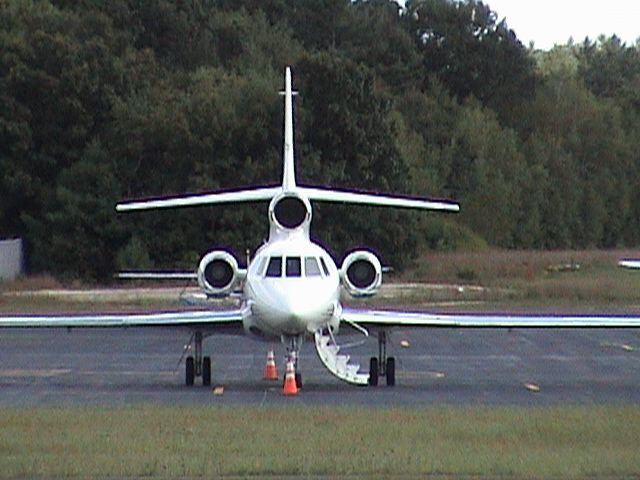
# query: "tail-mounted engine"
290,211
361,273
218,273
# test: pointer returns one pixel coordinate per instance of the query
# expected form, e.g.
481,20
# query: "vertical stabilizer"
299,208
288,174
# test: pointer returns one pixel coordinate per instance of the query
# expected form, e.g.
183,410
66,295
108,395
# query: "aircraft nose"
304,309
297,307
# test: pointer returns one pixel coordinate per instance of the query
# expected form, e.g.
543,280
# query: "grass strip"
151,441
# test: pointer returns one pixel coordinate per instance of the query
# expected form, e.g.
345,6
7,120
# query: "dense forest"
102,101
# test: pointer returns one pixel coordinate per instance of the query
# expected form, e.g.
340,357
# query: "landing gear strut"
198,366
293,344
382,366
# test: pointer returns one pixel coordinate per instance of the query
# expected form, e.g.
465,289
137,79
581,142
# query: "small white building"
11,265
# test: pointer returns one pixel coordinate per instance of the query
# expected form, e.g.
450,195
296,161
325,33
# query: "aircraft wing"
389,318
629,263
364,198
136,275
204,319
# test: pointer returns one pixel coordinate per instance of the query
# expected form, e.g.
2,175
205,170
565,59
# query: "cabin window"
324,267
311,268
274,269
293,267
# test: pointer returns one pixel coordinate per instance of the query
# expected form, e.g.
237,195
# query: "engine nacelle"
218,273
361,273
290,211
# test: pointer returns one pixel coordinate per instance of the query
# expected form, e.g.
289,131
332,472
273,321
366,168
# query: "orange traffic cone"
270,371
290,387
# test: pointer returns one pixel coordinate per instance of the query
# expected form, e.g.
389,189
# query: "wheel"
373,371
391,371
298,380
206,371
190,371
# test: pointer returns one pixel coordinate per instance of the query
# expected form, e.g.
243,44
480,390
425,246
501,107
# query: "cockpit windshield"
293,267
311,268
274,269
324,267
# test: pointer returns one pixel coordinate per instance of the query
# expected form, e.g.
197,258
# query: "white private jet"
291,288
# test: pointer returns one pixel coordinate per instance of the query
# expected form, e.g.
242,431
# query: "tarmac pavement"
436,367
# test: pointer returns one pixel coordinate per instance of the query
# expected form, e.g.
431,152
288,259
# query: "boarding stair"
338,364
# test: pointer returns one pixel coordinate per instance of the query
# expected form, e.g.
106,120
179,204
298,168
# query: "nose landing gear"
293,344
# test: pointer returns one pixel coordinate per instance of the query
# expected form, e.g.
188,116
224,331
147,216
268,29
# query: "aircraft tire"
373,371
298,380
391,371
189,371
206,371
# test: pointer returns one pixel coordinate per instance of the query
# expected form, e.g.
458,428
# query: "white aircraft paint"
629,263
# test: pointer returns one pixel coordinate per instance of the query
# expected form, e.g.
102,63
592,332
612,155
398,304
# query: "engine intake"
361,273
290,211
218,273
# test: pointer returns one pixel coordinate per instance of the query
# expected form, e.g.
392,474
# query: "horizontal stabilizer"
230,196
157,276
327,195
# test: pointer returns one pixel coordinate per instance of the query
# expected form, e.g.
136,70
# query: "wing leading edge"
388,318
201,319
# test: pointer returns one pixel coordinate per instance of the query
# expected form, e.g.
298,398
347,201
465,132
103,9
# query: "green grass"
493,267
511,280
531,280
576,442
30,304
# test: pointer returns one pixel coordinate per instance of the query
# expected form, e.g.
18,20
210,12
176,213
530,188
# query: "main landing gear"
197,365
382,366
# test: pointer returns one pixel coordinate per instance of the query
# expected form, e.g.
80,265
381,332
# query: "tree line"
102,101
